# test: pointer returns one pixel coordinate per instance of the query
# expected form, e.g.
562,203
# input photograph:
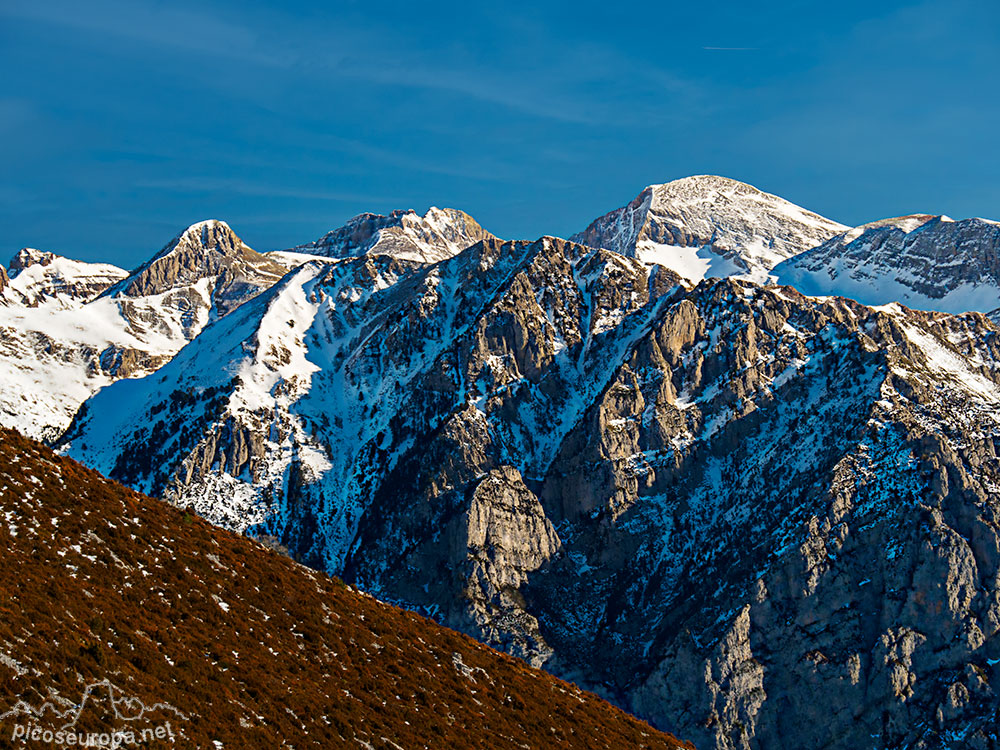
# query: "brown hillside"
106,594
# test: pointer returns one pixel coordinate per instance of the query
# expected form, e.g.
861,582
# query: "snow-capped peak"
200,231
202,251
76,327
708,225
210,234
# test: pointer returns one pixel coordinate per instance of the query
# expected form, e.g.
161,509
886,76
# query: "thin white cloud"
162,25
564,87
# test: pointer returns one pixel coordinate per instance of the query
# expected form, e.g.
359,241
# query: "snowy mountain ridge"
922,261
71,328
40,278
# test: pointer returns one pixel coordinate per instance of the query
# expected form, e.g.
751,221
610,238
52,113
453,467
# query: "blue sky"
123,122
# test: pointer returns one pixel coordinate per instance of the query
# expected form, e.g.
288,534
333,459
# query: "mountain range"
698,458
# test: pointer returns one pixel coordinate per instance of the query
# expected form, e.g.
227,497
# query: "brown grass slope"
100,583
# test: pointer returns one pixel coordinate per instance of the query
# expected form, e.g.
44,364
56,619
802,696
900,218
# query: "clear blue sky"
123,121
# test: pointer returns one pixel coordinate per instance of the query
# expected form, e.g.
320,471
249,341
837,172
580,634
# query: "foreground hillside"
111,596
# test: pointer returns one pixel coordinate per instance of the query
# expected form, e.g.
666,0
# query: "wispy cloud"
161,25
566,88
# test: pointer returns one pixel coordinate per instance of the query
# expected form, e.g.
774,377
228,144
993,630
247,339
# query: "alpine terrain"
712,504
69,328
743,513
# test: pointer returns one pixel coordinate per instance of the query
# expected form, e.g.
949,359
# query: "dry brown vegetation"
98,582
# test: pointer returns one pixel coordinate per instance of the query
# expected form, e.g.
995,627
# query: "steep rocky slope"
438,234
743,513
926,262
707,226
122,614
69,328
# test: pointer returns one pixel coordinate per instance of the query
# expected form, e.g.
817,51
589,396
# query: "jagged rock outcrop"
925,262
709,226
438,234
29,256
494,535
755,513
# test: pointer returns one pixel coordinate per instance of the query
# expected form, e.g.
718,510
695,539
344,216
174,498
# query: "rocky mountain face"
438,234
69,328
124,615
708,226
924,262
740,512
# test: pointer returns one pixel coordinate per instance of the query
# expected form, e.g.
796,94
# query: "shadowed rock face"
754,513
439,234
